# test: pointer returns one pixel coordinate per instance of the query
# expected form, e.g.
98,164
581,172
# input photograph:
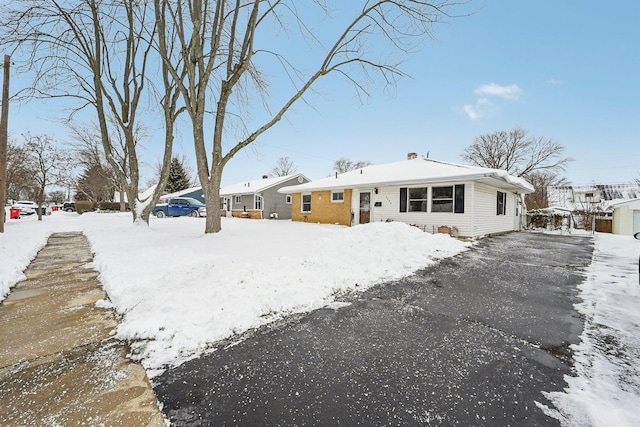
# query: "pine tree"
179,178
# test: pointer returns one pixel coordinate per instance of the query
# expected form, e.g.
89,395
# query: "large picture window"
442,199
501,203
306,203
417,199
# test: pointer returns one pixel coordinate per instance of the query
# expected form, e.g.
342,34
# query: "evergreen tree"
95,184
179,178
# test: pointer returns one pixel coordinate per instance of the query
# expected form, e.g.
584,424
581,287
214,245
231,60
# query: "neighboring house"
471,201
626,217
590,197
591,206
142,196
260,198
193,192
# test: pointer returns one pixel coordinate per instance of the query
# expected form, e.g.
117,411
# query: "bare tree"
19,176
48,164
225,44
517,153
283,167
541,180
343,165
97,53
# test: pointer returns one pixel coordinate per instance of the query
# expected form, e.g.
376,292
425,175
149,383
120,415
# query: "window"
306,203
288,199
257,202
238,200
458,206
501,206
417,199
337,196
442,199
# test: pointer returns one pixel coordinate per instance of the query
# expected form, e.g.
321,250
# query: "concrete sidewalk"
59,364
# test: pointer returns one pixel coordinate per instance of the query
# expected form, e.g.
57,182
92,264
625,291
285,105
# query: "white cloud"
506,92
554,82
482,108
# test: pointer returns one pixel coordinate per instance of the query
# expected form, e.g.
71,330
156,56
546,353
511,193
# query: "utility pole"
4,119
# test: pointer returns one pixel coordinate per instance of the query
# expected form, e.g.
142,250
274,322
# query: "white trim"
337,192
288,199
302,195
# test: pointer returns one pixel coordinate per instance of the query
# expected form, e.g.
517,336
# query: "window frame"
258,202
302,202
335,193
451,198
288,199
501,203
237,200
424,201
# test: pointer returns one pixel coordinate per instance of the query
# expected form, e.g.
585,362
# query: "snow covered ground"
606,388
178,290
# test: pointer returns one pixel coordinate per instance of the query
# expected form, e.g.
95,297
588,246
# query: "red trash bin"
14,213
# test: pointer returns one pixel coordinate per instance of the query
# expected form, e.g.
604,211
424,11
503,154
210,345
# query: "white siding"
486,220
389,198
479,218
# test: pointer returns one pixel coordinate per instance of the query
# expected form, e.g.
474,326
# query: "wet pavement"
59,365
474,340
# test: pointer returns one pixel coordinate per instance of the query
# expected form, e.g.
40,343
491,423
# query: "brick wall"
323,210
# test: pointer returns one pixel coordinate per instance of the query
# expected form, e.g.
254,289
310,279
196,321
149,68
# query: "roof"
258,185
415,171
180,193
633,204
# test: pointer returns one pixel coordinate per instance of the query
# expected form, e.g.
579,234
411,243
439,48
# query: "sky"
564,70
272,269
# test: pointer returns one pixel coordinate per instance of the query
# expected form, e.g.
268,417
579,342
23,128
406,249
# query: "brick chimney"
411,156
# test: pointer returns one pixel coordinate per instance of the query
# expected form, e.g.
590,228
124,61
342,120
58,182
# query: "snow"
414,171
178,291
606,388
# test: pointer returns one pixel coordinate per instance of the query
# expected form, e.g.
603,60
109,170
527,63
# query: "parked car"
69,207
180,206
26,207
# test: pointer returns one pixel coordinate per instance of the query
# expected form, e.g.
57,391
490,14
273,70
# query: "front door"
365,208
227,202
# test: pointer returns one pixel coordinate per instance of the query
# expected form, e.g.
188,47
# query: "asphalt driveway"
474,340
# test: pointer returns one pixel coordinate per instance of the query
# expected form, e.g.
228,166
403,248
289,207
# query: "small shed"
626,217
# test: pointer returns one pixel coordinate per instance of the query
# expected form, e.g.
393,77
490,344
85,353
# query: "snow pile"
177,291
606,390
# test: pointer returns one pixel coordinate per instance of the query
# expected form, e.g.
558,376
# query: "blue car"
180,206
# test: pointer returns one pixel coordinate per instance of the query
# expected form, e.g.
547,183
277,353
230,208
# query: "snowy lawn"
178,291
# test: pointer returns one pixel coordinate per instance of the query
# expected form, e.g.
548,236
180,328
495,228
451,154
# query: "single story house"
468,201
193,192
626,217
260,198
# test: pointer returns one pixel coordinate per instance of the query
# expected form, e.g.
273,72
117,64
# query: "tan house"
469,201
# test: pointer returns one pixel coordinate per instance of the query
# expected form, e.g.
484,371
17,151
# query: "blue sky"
566,70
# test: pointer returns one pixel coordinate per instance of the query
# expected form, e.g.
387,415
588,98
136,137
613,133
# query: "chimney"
411,156
265,176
